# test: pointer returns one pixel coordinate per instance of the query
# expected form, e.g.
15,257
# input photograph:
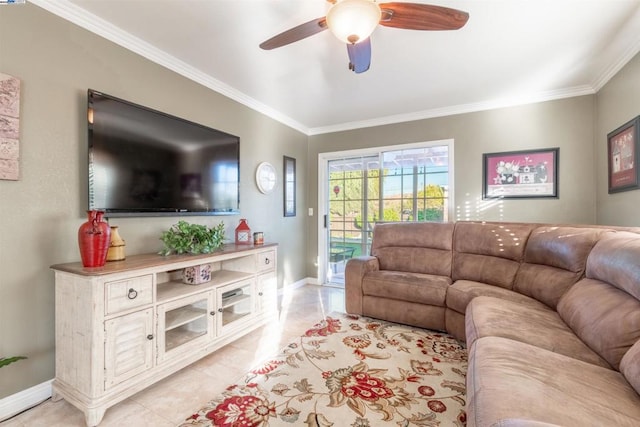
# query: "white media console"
127,325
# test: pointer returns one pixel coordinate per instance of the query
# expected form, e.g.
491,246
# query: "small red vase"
93,239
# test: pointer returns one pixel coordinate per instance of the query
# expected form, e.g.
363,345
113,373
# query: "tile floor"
170,401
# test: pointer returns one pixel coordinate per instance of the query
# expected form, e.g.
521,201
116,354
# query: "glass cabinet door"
185,323
236,302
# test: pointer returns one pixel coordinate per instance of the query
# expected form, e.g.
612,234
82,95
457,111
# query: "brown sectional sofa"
550,314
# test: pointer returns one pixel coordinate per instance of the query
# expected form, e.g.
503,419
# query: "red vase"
93,239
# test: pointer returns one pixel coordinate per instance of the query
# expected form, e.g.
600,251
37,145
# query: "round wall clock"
266,177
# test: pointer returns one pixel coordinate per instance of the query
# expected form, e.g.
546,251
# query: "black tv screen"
146,163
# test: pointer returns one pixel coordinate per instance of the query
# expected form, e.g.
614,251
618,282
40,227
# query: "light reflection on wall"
477,209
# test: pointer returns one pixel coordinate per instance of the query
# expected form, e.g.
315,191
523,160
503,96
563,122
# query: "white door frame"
323,191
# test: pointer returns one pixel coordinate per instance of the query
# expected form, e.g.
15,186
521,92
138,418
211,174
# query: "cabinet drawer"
127,294
266,261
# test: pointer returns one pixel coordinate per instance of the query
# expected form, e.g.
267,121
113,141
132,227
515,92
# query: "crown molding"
627,41
458,109
99,26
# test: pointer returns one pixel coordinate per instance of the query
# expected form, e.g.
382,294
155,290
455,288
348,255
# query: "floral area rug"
350,371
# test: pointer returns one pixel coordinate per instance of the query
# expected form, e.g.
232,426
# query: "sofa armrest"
354,273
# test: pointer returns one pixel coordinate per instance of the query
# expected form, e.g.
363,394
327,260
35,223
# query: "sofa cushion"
630,366
489,252
460,294
566,248
415,260
414,247
614,260
405,312
499,239
437,235
454,324
554,259
603,309
404,286
604,317
534,324
544,283
510,379
486,269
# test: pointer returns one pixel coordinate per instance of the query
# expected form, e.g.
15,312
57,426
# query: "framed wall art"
623,154
9,127
289,186
520,174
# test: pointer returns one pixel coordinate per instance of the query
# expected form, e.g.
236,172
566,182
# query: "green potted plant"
4,361
186,238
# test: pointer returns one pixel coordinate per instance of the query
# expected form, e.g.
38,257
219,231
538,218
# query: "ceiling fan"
353,21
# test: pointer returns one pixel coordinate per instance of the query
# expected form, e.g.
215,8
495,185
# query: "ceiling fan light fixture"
353,21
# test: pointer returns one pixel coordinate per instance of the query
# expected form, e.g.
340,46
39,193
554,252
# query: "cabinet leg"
94,416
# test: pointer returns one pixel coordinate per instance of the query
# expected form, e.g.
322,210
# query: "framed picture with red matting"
623,151
521,174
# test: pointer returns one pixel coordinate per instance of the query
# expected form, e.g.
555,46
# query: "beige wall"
617,103
40,214
566,123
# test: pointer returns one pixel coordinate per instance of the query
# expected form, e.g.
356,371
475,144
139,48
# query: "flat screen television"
144,162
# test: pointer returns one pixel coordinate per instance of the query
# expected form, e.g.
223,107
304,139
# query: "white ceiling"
510,52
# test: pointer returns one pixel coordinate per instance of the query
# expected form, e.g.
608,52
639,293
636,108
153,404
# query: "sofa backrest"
554,259
603,309
489,252
417,247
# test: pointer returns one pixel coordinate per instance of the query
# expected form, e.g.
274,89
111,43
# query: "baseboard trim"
298,284
25,399
312,281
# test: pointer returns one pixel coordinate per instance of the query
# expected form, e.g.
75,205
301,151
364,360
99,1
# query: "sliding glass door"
353,185
412,183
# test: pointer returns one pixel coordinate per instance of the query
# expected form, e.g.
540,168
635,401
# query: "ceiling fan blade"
415,16
359,56
294,34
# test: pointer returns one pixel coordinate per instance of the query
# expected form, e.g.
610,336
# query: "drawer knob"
213,313
267,261
220,309
132,294
260,293
150,337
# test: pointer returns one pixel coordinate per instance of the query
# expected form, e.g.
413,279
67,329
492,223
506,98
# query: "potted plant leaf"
186,238
4,361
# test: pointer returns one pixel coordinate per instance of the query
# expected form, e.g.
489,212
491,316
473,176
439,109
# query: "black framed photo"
520,174
623,154
289,180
